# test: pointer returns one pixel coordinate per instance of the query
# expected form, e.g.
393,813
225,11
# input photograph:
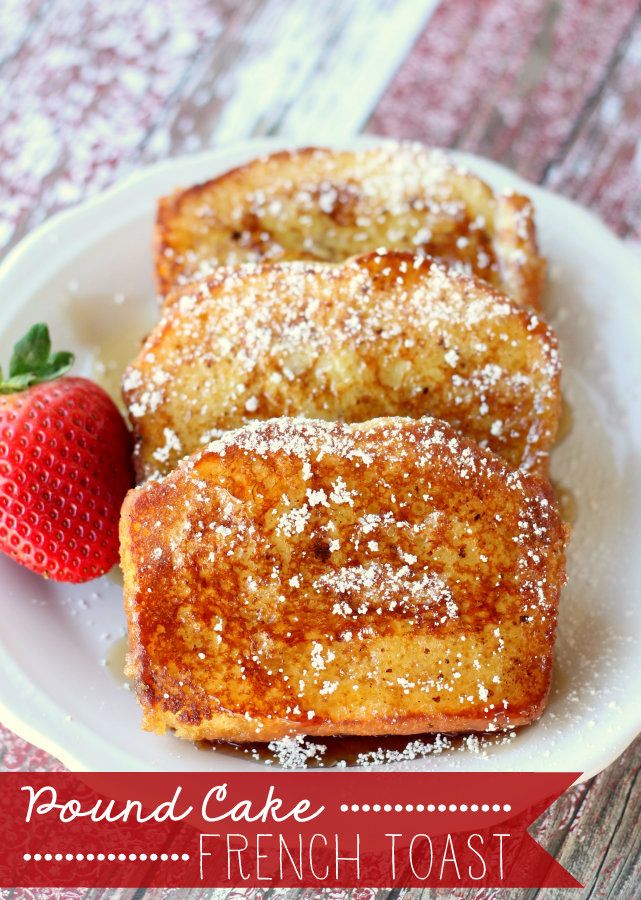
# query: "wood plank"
603,843
570,59
18,18
310,70
601,165
464,55
508,81
238,69
91,79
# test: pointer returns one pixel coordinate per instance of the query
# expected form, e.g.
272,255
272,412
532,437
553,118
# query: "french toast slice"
379,335
305,577
322,204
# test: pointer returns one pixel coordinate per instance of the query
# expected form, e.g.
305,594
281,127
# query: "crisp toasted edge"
234,727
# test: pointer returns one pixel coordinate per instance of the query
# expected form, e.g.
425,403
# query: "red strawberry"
65,465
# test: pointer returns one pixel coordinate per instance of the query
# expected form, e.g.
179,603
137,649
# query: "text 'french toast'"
329,205
305,577
378,335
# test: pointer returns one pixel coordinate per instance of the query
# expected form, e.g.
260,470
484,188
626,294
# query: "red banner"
310,829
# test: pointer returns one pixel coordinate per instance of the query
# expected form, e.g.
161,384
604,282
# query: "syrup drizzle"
568,504
566,421
115,659
349,751
111,328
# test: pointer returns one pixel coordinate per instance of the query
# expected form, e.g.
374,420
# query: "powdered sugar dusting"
367,574
380,335
330,205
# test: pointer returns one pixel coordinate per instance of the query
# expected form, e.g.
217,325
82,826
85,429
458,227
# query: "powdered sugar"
341,342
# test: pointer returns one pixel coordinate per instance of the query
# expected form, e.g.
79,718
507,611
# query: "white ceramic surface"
88,273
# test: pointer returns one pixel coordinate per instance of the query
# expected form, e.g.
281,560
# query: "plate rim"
88,746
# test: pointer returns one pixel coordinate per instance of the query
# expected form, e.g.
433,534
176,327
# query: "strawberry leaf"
32,361
31,352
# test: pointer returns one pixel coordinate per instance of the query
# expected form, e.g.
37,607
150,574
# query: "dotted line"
429,807
102,857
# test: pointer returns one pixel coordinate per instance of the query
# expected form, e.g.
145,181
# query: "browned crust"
496,544
170,208
419,328
508,234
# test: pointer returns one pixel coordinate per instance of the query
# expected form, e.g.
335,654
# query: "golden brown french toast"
329,205
378,335
306,577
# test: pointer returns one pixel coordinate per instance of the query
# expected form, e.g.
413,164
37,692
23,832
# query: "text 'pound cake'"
378,335
305,577
329,205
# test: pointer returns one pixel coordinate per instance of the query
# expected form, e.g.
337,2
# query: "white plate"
88,273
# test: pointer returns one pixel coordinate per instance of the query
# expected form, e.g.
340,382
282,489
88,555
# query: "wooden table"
552,88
